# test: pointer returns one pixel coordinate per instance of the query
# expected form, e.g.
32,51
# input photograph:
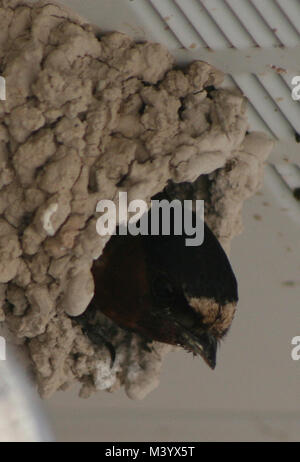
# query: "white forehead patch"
220,316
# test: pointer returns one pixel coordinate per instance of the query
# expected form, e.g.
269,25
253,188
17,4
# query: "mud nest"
87,116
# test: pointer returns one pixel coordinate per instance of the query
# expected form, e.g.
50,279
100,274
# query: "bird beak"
205,345
209,349
210,359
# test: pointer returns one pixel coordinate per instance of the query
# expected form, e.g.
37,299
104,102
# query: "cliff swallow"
163,290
